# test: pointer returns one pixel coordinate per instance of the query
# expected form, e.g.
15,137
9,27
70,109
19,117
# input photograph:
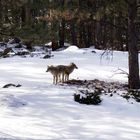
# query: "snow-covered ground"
39,110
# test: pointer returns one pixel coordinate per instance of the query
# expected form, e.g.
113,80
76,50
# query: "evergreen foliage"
88,97
102,23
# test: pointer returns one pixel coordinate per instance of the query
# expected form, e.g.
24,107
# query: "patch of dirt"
97,84
106,88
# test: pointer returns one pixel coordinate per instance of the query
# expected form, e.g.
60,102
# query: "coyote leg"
66,77
53,79
63,78
56,79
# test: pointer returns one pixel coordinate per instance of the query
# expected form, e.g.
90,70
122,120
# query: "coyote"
54,70
61,72
67,70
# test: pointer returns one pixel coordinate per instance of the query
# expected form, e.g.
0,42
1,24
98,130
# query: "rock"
9,85
18,46
28,43
3,44
22,53
93,51
5,52
14,40
87,97
46,56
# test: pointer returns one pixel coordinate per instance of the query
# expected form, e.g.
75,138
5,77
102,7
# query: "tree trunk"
62,33
104,33
1,13
26,17
80,35
89,33
98,35
73,33
94,32
120,33
132,46
84,33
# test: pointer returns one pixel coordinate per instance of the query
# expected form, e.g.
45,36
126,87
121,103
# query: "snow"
50,43
73,49
39,110
11,101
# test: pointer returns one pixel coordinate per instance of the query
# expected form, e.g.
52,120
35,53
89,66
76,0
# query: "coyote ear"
71,63
49,66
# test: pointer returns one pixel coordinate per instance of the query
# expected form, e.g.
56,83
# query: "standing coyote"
67,70
54,70
61,72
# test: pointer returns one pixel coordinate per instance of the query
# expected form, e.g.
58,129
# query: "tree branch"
120,71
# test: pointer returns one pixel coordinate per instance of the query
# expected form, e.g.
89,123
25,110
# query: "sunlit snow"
39,110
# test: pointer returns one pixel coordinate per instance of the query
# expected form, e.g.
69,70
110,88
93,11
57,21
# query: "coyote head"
74,66
49,68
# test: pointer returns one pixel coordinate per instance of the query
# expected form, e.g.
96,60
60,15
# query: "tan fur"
61,72
67,70
54,70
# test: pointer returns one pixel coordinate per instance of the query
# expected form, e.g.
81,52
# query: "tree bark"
73,32
62,33
90,33
132,46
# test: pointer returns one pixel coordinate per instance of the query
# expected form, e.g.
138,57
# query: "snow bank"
50,43
73,49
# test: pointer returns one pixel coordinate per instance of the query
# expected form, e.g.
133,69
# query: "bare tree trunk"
62,33
26,17
94,31
73,32
84,34
119,33
1,13
89,33
98,35
23,15
132,46
80,35
104,33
